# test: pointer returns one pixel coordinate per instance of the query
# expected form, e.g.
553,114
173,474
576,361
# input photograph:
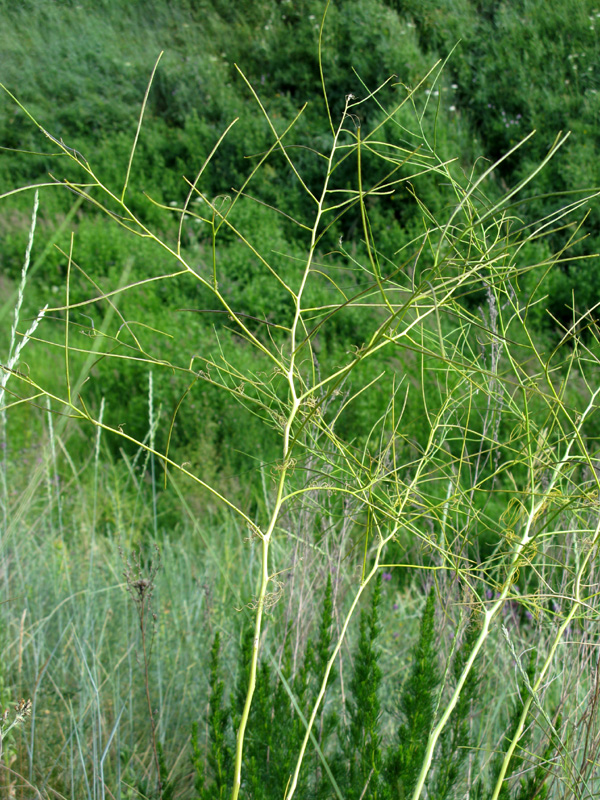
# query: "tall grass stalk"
15,349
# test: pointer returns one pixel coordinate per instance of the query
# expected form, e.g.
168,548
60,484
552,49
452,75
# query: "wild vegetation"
299,400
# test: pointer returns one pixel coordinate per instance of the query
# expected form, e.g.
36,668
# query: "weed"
140,584
494,489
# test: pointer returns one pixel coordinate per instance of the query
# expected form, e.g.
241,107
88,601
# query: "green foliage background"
82,68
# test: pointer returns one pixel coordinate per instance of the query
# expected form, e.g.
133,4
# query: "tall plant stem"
383,541
291,375
260,605
149,702
490,613
294,782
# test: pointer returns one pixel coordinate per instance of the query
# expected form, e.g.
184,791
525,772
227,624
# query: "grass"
76,647
71,641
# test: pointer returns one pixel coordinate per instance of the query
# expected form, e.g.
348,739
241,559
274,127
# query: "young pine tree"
417,708
361,742
313,782
215,785
455,741
326,722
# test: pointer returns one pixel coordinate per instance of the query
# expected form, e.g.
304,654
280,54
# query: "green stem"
491,613
239,748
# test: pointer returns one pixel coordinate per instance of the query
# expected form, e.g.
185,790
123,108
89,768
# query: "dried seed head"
142,585
23,708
